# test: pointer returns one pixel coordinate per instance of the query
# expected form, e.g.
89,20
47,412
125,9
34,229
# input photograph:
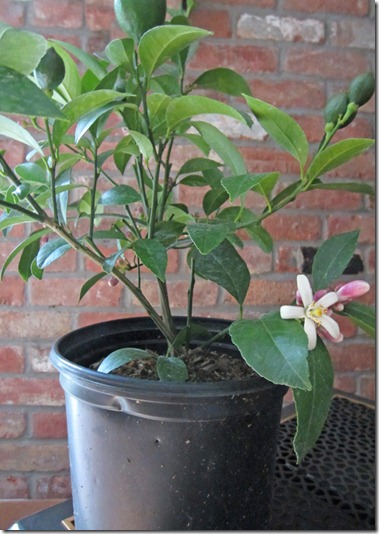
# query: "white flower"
315,313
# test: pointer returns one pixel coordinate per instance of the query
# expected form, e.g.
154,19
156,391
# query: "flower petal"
305,290
292,312
352,290
330,325
327,300
310,330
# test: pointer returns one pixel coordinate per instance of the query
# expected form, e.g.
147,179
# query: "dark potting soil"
208,366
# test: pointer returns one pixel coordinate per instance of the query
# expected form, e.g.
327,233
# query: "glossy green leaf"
80,106
34,237
20,95
88,60
144,144
194,180
353,187
335,155
224,80
262,183
71,85
21,50
32,172
85,123
222,146
361,315
120,357
332,258
153,255
9,220
163,42
120,195
121,52
193,333
214,199
90,283
261,236
207,236
198,165
28,255
224,266
171,369
50,71
51,251
110,262
168,232
13,130
183,108
281,127
63,186
276,349
312,407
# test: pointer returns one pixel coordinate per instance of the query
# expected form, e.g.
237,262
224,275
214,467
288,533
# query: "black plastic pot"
149,455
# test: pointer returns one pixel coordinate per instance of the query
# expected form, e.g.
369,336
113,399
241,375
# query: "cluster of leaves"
69,118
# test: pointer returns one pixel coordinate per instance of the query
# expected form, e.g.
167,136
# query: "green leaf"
222,146
20,95
353,187
198,165
120,357
90,283
207,236
21,50
168,232
224,80
262,183
335,155
260,235
86,59
32,172
332,258
171,369
13,130
144,144
163,42
51,251
121,52
276,349
188,333
50,71
312,407
85,123
153,255
110,262
183,108
281,127
13,220
120,195
34,237
80,106
214,199
71,85
224,266
27,258
63,186
361,315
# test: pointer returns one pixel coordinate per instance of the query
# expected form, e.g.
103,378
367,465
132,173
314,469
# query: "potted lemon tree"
172,420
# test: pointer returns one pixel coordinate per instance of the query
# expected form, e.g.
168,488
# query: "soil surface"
208,366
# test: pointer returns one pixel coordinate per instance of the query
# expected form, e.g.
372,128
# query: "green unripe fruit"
362,88
136,17
336,107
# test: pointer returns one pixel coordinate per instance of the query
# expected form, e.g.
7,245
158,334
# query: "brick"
14,487
214,20
334,64
12,359
12,425
345,382
269,292
66,263
280,28
360,168
99,16
66,14
49,425
264,159
355,33
31,392
33,457
257,261
205,293
356,7
290,93
328,200
14,151
54,487
66,292
13,13
367,387
49,325
289,259
338,224
12,292
285,227
39,360
250,3
371,265
347,328
352,356
89,318
242,58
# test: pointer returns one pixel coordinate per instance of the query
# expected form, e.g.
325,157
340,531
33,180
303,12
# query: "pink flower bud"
112,281
352,290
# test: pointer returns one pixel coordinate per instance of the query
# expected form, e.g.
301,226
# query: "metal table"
332,489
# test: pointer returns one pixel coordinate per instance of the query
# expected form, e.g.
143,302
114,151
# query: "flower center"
315,312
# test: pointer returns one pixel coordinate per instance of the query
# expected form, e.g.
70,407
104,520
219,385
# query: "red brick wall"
295,54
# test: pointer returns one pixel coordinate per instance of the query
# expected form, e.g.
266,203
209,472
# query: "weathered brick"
14,487
352,356
285,227
264,159
89,318
345,382
99,15
33,457
49,425
355,33
289,258
12,424
270,292
280,28
287,93
39,359
334,64
250,3
12,292
65,14
328,200
367,387
356,7
54,487
31,392
28,324
366,224
257,261
13,13
214,20
12,359
360,168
